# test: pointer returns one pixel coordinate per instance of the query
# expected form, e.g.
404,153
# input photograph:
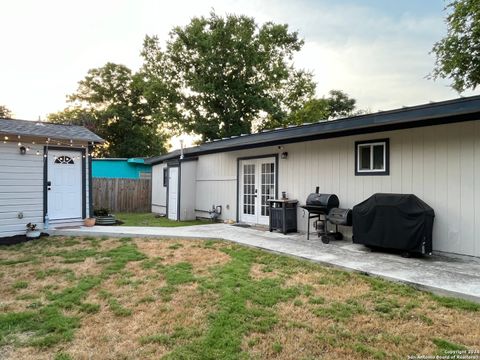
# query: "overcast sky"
375,50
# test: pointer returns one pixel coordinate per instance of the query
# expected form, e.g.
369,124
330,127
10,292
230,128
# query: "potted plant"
103,217
32,231
89,222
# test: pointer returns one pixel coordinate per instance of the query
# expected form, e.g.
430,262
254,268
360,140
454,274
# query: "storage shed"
44,174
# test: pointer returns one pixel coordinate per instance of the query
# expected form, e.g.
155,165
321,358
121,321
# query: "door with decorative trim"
64,184
257,184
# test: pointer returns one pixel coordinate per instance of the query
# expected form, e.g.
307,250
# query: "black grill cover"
394,221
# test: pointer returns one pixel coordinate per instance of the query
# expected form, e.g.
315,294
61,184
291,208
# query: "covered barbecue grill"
394,221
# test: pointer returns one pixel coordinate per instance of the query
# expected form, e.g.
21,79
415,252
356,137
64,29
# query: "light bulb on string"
6,137
19,144
37,153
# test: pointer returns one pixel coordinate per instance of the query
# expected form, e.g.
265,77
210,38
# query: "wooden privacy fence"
122,195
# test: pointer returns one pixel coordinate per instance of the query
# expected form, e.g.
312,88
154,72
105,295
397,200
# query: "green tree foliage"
110,102
223,73
458,53
338,104
5,112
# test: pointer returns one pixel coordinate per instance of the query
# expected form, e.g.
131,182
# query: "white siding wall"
439,164
21,189
159,192
188,174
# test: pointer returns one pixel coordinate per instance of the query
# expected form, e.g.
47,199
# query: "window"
372,157
165,176
64,160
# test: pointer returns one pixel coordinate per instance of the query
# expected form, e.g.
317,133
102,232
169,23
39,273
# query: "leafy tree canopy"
5,113
337,104
458,53
110,102
221,74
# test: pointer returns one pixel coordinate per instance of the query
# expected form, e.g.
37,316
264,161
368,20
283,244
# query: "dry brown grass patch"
105,336
191,251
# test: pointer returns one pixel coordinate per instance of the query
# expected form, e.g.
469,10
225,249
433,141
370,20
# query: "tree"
221,74
110,102
458,53
5,112
337,104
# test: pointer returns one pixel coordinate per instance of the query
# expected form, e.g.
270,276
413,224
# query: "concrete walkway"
442,275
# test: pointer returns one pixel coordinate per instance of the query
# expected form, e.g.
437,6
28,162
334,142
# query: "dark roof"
45,129
461,109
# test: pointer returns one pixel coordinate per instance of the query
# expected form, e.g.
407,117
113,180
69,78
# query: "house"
431,150
121,168
44,173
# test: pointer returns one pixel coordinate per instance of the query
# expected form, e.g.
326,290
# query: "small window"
165,176
64,160
372,157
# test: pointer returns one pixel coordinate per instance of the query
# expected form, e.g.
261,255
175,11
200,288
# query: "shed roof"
435,113
45,129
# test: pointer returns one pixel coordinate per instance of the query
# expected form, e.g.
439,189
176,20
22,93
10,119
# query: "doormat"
242,225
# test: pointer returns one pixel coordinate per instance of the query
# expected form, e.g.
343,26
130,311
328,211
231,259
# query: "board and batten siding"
21,189
440,164
159,192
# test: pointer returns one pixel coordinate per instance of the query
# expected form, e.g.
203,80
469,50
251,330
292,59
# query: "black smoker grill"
319,207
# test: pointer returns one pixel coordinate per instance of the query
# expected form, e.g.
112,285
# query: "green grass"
455,303
444,345
48,324
225,310
149,219
233,319
20,285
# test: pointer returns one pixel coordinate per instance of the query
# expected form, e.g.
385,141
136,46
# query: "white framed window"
372,157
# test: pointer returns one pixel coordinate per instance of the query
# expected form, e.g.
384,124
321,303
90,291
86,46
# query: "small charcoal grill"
318,206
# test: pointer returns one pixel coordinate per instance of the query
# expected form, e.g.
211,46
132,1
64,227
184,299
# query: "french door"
256,186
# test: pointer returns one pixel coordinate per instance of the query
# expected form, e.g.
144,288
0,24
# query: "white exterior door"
257,185
64,190
173,193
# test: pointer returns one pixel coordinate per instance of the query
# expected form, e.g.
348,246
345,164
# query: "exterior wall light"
23,150
284,155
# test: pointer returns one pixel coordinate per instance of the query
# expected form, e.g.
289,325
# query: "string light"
33,145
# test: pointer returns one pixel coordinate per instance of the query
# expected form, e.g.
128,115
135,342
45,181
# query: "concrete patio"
441,275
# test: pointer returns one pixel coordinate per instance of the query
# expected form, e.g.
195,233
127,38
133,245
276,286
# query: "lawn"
100,298
149,219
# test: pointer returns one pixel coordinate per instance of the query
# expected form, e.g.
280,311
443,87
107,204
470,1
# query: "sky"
375,50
